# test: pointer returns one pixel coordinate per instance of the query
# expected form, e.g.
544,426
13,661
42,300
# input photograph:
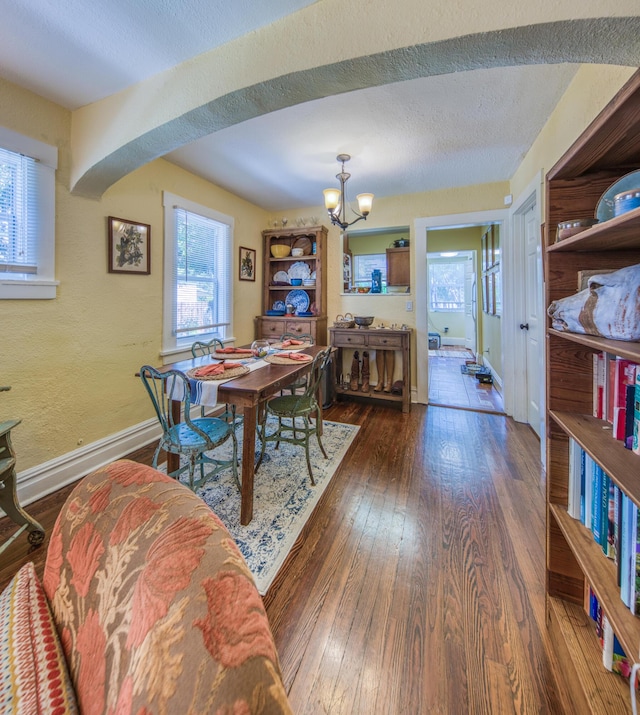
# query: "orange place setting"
225,353
218,371
289,358
291,344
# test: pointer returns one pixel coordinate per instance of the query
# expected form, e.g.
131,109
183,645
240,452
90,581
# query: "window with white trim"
446,285
27,217
198,298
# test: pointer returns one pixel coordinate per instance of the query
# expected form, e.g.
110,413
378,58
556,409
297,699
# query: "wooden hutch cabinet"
607,150
313,240
398,267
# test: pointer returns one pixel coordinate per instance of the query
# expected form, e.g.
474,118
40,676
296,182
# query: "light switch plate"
409,306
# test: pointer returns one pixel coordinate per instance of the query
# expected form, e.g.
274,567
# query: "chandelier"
335,202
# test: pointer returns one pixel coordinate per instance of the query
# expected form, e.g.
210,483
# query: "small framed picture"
247,264
129,246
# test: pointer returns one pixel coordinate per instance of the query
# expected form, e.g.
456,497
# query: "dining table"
248,392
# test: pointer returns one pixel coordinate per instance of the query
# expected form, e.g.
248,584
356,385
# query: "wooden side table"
8,494
374,339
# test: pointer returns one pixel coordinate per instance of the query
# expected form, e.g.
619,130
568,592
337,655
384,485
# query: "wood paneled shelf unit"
607,150
314,240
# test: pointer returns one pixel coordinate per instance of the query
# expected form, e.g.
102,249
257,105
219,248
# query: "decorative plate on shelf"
604,208
299,299
304,243
313,275
279,305
299,270
281,277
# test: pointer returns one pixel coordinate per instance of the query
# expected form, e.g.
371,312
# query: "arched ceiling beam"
117,135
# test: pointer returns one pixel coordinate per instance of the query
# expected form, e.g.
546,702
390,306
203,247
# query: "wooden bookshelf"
606,151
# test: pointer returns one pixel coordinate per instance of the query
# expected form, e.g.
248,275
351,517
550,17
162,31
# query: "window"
27,217
365,264
446,285
198,268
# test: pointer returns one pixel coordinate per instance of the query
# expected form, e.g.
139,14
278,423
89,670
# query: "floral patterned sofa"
154,606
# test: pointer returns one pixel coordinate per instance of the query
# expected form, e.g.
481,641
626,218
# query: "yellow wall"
71,361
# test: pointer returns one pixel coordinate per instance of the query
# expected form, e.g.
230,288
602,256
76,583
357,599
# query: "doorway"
424,238
457,376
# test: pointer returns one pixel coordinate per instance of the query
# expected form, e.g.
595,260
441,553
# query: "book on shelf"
629,416
576,467
636,415
597,478
614,659
623,374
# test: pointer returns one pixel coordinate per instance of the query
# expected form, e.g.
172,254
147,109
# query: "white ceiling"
421,134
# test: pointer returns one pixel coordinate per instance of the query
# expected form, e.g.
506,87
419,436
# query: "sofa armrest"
155,606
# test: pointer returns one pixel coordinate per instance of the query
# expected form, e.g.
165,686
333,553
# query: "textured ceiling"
424,133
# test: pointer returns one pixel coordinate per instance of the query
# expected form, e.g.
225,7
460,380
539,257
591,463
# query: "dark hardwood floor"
418,584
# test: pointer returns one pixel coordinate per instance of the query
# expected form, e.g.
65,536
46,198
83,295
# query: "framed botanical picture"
129,246
247,264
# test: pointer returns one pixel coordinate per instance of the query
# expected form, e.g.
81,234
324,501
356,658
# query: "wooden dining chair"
201,348
297,407
190,438
300,384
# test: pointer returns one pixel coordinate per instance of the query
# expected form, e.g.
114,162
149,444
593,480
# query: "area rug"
451,353
283,498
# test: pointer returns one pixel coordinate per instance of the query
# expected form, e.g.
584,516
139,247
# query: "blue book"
625,549
583,456
596,504
588,490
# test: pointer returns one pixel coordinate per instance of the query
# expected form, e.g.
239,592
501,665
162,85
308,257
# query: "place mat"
232,356
277,360
290,348
226,375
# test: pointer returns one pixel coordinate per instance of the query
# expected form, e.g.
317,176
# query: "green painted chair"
289,408
190,438
302,383
201,348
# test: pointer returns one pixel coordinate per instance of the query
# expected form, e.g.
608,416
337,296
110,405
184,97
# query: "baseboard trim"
48,477
496,378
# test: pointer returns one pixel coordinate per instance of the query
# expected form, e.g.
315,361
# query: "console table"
372,340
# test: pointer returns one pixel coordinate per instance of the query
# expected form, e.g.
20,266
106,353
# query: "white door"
470,305
531,324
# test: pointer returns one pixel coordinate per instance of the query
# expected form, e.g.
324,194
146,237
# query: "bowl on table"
363,321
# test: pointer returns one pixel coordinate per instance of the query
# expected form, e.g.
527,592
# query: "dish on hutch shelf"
299,270
605,208
281,277
299,299
279,305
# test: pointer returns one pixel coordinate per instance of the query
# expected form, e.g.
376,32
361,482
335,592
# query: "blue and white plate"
605,207
279,305
299,270
299,299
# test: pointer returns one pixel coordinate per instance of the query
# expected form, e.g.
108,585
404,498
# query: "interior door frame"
421,228
514,339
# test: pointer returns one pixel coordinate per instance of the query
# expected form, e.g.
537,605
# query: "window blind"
19,213
202,275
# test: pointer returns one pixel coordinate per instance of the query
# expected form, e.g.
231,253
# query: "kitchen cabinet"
398,267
